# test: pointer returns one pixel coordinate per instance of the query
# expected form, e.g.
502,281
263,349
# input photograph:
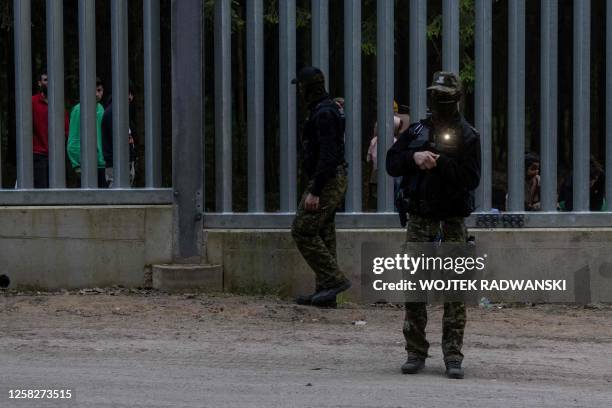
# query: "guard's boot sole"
304,300
455,374
326,305
454,370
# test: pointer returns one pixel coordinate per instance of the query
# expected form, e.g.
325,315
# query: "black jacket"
107,136
447,189
323,143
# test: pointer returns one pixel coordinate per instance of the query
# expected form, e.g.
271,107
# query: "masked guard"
438,159
314,229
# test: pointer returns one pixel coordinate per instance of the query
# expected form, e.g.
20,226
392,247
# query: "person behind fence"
323,162
40,133
74,136
597,188
439,159
400,124
532,182
107,141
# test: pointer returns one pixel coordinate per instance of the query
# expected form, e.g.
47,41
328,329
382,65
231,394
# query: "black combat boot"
453,369
328,295
413,365
306,300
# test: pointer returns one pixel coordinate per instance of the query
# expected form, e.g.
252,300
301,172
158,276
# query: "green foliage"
302,18
303,15
434,29
238,22
466,36
368,35
271,13
368,28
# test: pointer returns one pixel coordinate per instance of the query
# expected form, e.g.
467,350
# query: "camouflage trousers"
420,229
314,232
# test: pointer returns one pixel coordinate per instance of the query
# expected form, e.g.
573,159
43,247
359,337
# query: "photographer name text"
466,285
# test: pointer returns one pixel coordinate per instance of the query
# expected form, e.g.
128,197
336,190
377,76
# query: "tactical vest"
425,192
309,142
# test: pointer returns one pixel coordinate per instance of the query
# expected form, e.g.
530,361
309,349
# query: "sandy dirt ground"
148,349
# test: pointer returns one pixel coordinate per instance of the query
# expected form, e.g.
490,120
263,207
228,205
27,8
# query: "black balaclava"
311,85
443,97
313,92
444,106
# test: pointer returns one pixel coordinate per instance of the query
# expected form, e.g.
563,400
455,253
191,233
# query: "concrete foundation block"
181,278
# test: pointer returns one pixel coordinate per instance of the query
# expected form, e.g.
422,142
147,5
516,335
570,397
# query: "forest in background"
336,81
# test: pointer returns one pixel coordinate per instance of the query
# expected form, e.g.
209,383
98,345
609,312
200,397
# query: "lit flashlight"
446,140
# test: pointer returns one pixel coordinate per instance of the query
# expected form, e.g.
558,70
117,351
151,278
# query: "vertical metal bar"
609,104
581,120
255,104
287,94
320,36
55,74
483,98
516,105
23,92
121,125
384,83
1,164
223,105
418,59
87,91
152,94
548,101
187,129
450,35
352,101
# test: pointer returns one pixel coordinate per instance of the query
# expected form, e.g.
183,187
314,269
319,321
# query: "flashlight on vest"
446,140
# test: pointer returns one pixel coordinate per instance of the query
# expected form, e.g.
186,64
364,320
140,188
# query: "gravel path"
121,349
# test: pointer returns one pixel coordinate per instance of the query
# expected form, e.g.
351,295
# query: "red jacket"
40,125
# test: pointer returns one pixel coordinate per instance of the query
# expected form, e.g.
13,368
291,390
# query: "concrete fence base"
268,261
76,247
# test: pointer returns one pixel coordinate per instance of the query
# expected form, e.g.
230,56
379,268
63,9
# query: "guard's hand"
311,203
425,160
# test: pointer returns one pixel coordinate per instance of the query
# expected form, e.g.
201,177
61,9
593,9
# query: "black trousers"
101,179
41,171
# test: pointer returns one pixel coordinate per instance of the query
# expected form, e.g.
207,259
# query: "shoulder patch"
418,127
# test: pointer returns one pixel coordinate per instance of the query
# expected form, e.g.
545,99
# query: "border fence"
189,68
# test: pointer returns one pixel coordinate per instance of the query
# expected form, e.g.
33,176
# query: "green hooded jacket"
74,136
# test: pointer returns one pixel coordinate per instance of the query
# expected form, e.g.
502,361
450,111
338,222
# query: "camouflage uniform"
314,232
421,229
322,154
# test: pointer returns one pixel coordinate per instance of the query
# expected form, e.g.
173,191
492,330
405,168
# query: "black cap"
309,75
446,82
